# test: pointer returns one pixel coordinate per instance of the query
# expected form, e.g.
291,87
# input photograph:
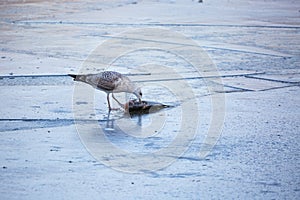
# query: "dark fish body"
144,107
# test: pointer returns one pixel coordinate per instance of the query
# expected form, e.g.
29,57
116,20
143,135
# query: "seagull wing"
108,80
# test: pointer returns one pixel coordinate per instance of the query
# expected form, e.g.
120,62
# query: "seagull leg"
108,102
120,104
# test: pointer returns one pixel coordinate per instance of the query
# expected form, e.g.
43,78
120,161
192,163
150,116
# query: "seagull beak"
139,96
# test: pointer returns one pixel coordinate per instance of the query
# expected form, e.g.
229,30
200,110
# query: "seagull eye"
141,94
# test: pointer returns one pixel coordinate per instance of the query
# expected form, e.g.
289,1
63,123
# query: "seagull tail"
73,76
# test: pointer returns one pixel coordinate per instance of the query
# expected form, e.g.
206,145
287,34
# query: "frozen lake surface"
58,140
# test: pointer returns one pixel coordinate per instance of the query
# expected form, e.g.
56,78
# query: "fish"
135,107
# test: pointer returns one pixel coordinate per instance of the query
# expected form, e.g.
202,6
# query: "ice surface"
255,46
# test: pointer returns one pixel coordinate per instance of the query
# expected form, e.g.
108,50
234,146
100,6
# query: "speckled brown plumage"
110,82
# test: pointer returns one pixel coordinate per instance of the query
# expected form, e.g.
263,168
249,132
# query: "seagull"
110,82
